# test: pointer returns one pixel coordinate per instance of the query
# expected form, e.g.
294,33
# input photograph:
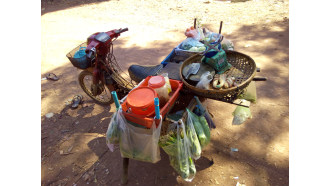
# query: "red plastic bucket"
141,100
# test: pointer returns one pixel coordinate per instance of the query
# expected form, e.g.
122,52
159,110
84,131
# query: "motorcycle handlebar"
122,30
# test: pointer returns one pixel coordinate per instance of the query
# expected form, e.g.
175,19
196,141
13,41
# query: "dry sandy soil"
258,28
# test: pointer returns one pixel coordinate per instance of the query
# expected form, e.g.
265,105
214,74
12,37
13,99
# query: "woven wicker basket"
243,69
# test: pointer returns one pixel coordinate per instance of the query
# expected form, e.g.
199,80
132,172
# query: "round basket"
243,69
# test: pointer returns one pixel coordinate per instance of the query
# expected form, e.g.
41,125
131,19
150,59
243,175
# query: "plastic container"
147,120
158,83
141,101
167,81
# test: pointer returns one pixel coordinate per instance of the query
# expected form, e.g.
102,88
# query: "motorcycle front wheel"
102,94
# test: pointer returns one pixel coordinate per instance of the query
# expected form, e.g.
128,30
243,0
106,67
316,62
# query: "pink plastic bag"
192,32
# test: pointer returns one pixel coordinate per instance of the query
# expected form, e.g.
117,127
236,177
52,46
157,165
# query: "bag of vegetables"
194,145
113,132
201,127
139,143
176,144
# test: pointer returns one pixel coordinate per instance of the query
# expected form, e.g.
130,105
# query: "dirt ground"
73,150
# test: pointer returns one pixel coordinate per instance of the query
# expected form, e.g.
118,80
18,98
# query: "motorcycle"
101,73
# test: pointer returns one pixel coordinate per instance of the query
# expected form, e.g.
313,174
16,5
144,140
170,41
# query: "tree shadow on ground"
56,5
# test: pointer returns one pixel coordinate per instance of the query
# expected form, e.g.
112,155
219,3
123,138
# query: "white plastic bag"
211,37
183,162
204,82
113,132
226,44
194,145
189,43
241,114
139,143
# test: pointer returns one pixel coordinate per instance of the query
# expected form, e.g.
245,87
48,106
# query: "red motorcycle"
101,72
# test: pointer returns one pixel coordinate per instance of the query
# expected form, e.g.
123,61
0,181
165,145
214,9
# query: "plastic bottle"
158,83
167,81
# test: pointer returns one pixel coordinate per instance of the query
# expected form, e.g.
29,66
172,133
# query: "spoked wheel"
100,92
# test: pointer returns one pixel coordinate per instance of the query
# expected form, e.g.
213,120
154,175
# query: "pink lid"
156,81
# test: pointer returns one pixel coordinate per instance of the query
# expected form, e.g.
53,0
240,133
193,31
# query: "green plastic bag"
182,161
250,93
203,136
241,114
194,144
114,131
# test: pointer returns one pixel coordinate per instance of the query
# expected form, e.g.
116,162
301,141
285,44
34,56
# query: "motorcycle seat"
139,72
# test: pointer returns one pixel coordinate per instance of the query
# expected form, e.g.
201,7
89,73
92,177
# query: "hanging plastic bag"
168,142
202,132
139,143
250,93
113,132
241,114
194,145
204,82
182,162
206,129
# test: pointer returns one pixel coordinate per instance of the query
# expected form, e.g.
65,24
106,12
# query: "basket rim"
214,91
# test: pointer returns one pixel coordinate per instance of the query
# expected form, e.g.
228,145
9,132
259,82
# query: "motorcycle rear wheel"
104,96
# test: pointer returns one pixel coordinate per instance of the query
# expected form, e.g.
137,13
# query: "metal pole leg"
124,177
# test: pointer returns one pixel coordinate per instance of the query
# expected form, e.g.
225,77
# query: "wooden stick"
220,27
195,23
124,176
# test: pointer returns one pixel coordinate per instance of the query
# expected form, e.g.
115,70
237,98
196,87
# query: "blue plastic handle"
156,100
115,98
